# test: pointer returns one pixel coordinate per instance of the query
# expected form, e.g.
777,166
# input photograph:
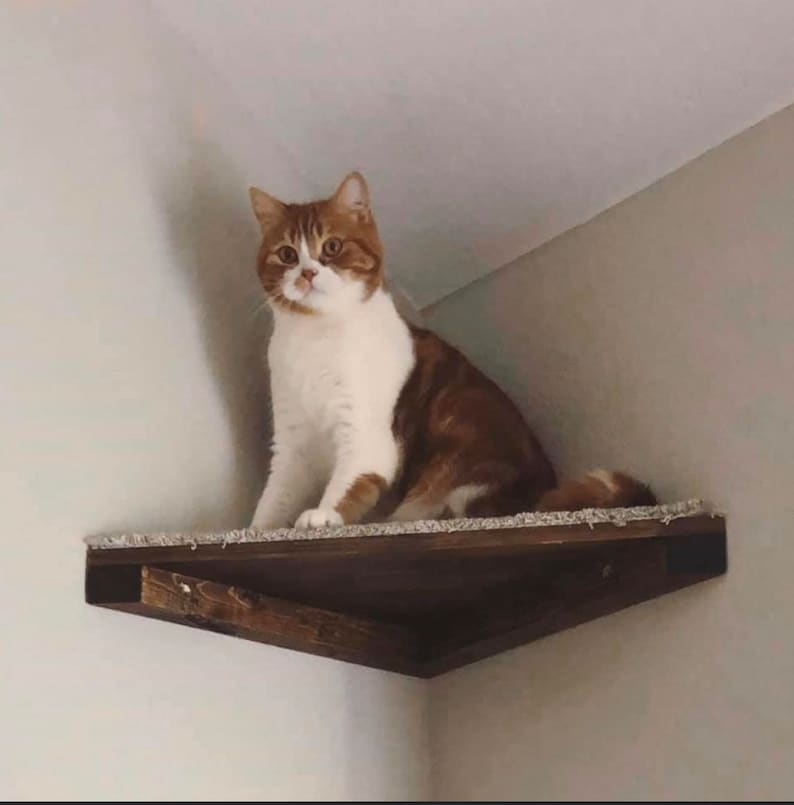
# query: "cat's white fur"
335,378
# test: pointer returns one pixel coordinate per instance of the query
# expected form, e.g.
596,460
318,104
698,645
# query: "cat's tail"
599,489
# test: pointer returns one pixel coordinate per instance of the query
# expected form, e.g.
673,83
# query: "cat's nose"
309,273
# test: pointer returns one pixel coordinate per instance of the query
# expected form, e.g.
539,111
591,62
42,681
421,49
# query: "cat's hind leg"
418,508
424,504
443,491
462,499
426,498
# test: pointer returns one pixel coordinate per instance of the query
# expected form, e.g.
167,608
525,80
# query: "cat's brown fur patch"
361,497
457,428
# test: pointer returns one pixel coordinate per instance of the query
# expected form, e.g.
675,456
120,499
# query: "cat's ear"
352,196
267,209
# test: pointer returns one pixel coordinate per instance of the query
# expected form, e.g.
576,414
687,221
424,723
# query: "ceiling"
486,128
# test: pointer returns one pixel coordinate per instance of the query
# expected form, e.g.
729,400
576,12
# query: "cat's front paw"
318,518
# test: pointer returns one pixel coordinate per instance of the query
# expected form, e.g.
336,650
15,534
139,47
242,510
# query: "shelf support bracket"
164,595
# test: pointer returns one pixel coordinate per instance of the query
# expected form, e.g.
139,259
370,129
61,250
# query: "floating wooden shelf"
415,603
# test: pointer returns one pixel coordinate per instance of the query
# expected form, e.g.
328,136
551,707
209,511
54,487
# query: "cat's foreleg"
290,488
365,466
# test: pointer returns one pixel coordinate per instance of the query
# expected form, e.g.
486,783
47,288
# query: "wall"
486,128
133,397
656,337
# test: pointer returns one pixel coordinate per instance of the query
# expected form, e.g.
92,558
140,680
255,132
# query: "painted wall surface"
487,127
658,337
132,397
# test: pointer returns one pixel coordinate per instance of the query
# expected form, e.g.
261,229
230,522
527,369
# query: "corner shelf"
417,602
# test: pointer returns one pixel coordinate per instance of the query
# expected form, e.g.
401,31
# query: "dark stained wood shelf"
419,604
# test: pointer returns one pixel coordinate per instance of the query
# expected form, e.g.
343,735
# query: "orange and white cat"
374,418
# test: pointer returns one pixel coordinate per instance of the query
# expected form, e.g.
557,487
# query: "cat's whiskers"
259,308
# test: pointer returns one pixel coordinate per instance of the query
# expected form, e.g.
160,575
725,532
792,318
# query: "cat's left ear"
352,196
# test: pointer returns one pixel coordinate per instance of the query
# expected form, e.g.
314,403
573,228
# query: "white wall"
657,337
486,127
132,397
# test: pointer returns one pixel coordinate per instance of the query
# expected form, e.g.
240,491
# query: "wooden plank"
599,586
233,611
395,579
418,604
507,541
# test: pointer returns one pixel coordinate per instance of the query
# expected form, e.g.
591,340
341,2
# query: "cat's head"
320,257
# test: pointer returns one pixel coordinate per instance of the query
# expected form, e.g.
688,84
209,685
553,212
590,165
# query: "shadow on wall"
394,709
214,242
579,677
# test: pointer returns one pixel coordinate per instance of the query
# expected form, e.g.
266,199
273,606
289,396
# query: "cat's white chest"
308,375
349,372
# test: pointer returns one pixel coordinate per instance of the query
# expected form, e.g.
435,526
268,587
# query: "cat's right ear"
267,209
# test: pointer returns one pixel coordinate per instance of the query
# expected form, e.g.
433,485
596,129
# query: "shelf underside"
415,603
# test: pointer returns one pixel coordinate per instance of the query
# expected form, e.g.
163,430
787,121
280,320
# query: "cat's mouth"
303,285
304,288
300,290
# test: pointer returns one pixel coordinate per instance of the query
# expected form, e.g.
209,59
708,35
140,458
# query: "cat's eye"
332,247
287,255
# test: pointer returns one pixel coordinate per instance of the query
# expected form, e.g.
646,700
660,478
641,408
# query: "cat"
375,418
